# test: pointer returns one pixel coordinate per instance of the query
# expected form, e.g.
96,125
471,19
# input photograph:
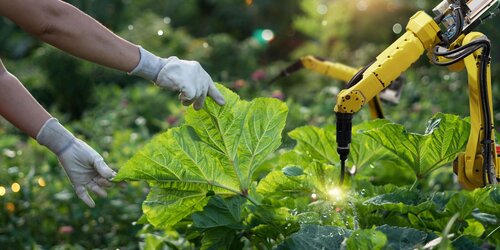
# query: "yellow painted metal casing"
334,70
469,164
340,72
421,34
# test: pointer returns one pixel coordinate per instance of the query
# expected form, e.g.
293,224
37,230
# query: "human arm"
67,28
85,168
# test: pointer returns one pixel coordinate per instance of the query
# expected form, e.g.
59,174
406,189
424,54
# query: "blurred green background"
242,44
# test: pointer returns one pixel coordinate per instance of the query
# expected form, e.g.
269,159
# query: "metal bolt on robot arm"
455,46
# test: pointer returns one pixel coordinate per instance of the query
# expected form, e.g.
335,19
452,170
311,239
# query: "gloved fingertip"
216,95
196,107
82,193
221,101
103,169
200,102
186,102
91,204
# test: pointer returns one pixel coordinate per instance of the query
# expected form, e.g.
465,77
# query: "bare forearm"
74,32
18,106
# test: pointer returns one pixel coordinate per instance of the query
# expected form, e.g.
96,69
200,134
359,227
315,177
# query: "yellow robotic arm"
477,166
421,34
333,70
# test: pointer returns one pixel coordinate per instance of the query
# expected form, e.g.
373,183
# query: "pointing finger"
216,95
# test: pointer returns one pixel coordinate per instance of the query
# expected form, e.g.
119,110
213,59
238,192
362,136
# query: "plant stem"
491,233
252,200
414,184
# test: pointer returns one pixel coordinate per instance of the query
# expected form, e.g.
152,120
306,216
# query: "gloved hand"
175,74
85,168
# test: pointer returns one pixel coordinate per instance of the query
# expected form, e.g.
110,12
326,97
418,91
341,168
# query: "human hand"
191,80
84,167
175,74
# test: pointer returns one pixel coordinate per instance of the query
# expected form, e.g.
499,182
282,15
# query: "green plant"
205,185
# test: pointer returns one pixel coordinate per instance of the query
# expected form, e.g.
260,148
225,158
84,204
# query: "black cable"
358,76
456,50
455,60
483,81
459,54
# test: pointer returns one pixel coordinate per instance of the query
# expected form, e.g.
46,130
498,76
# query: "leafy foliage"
316,237
217,151
118,114
202,173
443,139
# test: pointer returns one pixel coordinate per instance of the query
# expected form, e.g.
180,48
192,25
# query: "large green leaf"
220,212
217,150
316,237
278,184
402,201
366,239
365,150
445,136
492,203
217,238
403,237
464,202
316,144
171,202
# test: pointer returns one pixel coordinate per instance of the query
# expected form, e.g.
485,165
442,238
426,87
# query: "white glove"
83,165
172,73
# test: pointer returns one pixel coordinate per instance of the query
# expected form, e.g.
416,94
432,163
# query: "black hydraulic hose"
457,55
455,60
358,76
456,50
483,81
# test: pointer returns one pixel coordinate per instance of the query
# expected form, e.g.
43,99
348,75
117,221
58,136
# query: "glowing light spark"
336,193
2,191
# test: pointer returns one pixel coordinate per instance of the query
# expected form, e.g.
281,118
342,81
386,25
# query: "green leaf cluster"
202,178
215,152
444,138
